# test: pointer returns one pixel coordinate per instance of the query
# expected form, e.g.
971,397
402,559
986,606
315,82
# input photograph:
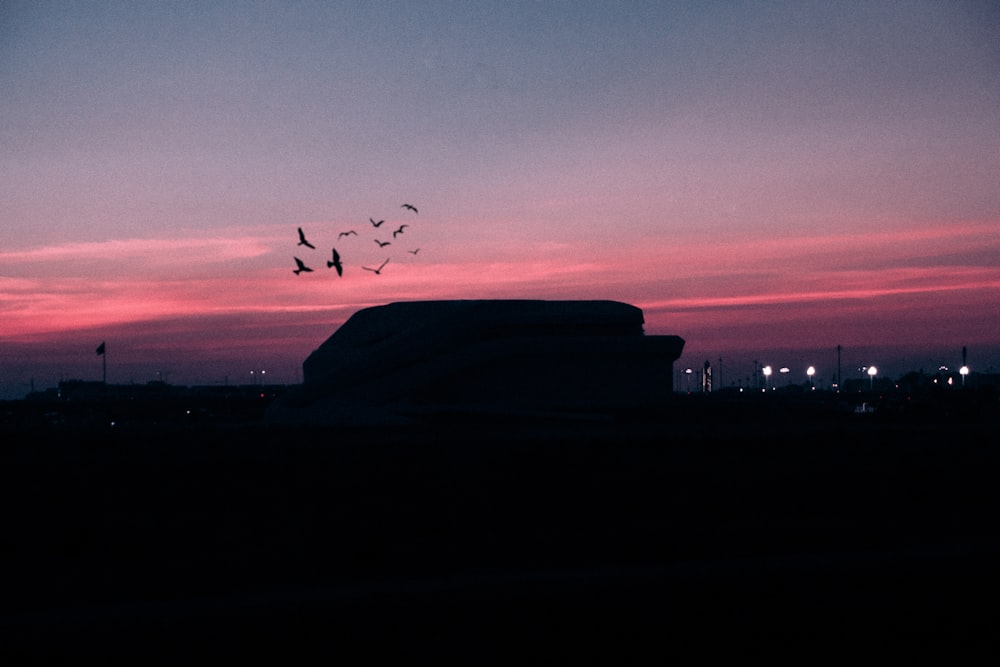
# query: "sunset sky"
765,179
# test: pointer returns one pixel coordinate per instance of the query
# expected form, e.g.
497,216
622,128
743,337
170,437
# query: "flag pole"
102,351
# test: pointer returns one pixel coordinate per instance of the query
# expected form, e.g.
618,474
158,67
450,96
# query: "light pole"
809,373
767,377
871,377
963,371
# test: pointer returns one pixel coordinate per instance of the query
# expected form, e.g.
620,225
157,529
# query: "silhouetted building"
410,359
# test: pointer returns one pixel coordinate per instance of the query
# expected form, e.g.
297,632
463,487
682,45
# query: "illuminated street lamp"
963,371
767,377
871,376
688,372
809,373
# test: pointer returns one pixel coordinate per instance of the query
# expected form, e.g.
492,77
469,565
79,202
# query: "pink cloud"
217,297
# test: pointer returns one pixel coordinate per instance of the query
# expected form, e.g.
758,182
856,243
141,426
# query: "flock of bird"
335,262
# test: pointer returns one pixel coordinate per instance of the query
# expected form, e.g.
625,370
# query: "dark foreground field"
776,533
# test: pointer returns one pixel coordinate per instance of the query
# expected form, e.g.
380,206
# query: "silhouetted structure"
102,352
840,376
408,359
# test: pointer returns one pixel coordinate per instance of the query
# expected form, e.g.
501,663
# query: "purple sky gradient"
764,179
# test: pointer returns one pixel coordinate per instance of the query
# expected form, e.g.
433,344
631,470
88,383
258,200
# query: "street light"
871,377
963,371
767,377
809,373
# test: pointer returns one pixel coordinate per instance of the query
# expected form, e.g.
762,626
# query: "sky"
767,180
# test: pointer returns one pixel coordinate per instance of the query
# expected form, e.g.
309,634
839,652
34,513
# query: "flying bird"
382,244
336,263
302,267
410,207
399,231
413,252
302,240
377,271
346,234
375,224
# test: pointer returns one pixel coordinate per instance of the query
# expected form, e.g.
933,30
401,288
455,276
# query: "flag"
100,349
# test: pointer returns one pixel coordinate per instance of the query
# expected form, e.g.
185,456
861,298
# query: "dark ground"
785,530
